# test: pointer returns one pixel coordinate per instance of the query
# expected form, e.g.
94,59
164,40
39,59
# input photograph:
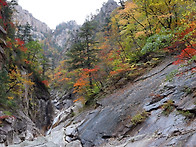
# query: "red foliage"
20,42
111,59
174,46
180,74
24,49
186,53
9,44
2,2
188,30
12,24
46,83
26,61
4,117
191,28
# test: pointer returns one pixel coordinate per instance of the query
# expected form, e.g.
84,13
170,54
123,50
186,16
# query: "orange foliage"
64,79
191,28
81,81
27,62
79,99
91,70
112,73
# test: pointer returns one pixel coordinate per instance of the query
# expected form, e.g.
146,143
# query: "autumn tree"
137,36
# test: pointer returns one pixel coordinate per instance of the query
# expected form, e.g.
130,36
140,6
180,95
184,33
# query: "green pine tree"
82,53
24,32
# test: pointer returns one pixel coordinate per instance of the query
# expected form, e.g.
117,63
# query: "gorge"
125,78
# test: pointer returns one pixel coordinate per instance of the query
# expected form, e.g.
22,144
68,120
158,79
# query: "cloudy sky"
53,12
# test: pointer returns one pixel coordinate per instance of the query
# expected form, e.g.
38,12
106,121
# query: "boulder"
76,143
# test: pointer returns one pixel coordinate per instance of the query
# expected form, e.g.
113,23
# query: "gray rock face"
159,130
62,99
76,143
42,113
105,12
14,130
28,120
113,119
2,45
62,33
39,142
40,29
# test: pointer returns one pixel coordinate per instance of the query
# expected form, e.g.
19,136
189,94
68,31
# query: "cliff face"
62,34
105,12
31,111
22,17
27,122
63,31
40,31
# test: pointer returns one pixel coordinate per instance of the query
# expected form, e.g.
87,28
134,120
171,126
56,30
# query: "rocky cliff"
29,118
40,29
63,31
62,34
104,14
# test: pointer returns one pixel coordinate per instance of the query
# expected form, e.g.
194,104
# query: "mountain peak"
22,17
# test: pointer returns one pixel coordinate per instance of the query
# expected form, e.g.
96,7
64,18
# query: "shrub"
187,114
168,107
139,118
156,42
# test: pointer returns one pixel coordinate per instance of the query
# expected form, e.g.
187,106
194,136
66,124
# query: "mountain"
62,33
57,42
39,29
104,14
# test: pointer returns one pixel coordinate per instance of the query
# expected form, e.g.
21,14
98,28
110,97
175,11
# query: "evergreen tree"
82,53
24,33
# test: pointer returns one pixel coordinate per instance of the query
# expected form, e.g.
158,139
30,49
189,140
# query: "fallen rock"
39,142
76,143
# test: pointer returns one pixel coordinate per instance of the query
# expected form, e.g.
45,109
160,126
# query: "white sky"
54,12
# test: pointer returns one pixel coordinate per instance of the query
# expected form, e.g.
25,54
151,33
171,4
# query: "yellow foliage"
165,16
10,98
18,81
